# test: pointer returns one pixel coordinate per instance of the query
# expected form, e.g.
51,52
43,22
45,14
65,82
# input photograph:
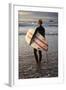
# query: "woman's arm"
44,32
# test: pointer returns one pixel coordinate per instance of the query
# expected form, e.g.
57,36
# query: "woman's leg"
40,56
35,54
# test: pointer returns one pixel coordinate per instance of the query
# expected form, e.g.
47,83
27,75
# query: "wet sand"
27,64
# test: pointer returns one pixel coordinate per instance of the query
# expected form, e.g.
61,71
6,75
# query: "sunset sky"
27,16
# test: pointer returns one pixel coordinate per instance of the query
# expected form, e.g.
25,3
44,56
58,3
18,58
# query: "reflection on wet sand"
33,70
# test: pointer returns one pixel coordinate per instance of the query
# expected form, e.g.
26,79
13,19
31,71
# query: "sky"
27,16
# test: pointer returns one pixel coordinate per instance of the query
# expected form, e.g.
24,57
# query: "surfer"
41,30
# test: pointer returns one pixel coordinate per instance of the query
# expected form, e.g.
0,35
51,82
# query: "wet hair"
40,21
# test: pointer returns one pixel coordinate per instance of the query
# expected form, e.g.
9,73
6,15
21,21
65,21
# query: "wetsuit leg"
36,56
40,56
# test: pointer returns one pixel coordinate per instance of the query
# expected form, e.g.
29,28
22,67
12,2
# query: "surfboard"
38,42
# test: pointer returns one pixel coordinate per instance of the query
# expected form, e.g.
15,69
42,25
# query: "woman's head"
40,22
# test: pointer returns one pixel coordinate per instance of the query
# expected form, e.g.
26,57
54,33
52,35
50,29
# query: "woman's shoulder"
37,28
42,27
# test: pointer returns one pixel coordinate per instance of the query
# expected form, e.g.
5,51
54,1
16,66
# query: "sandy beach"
27,64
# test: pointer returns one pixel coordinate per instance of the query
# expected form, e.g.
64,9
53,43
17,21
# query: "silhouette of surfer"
41,30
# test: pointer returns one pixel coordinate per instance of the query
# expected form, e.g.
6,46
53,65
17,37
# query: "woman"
41,30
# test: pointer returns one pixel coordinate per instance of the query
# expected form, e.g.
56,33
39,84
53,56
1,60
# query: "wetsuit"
41,30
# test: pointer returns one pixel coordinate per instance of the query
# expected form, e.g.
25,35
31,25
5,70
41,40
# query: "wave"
45,34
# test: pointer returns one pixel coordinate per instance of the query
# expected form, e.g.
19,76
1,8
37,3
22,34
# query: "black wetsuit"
41,30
